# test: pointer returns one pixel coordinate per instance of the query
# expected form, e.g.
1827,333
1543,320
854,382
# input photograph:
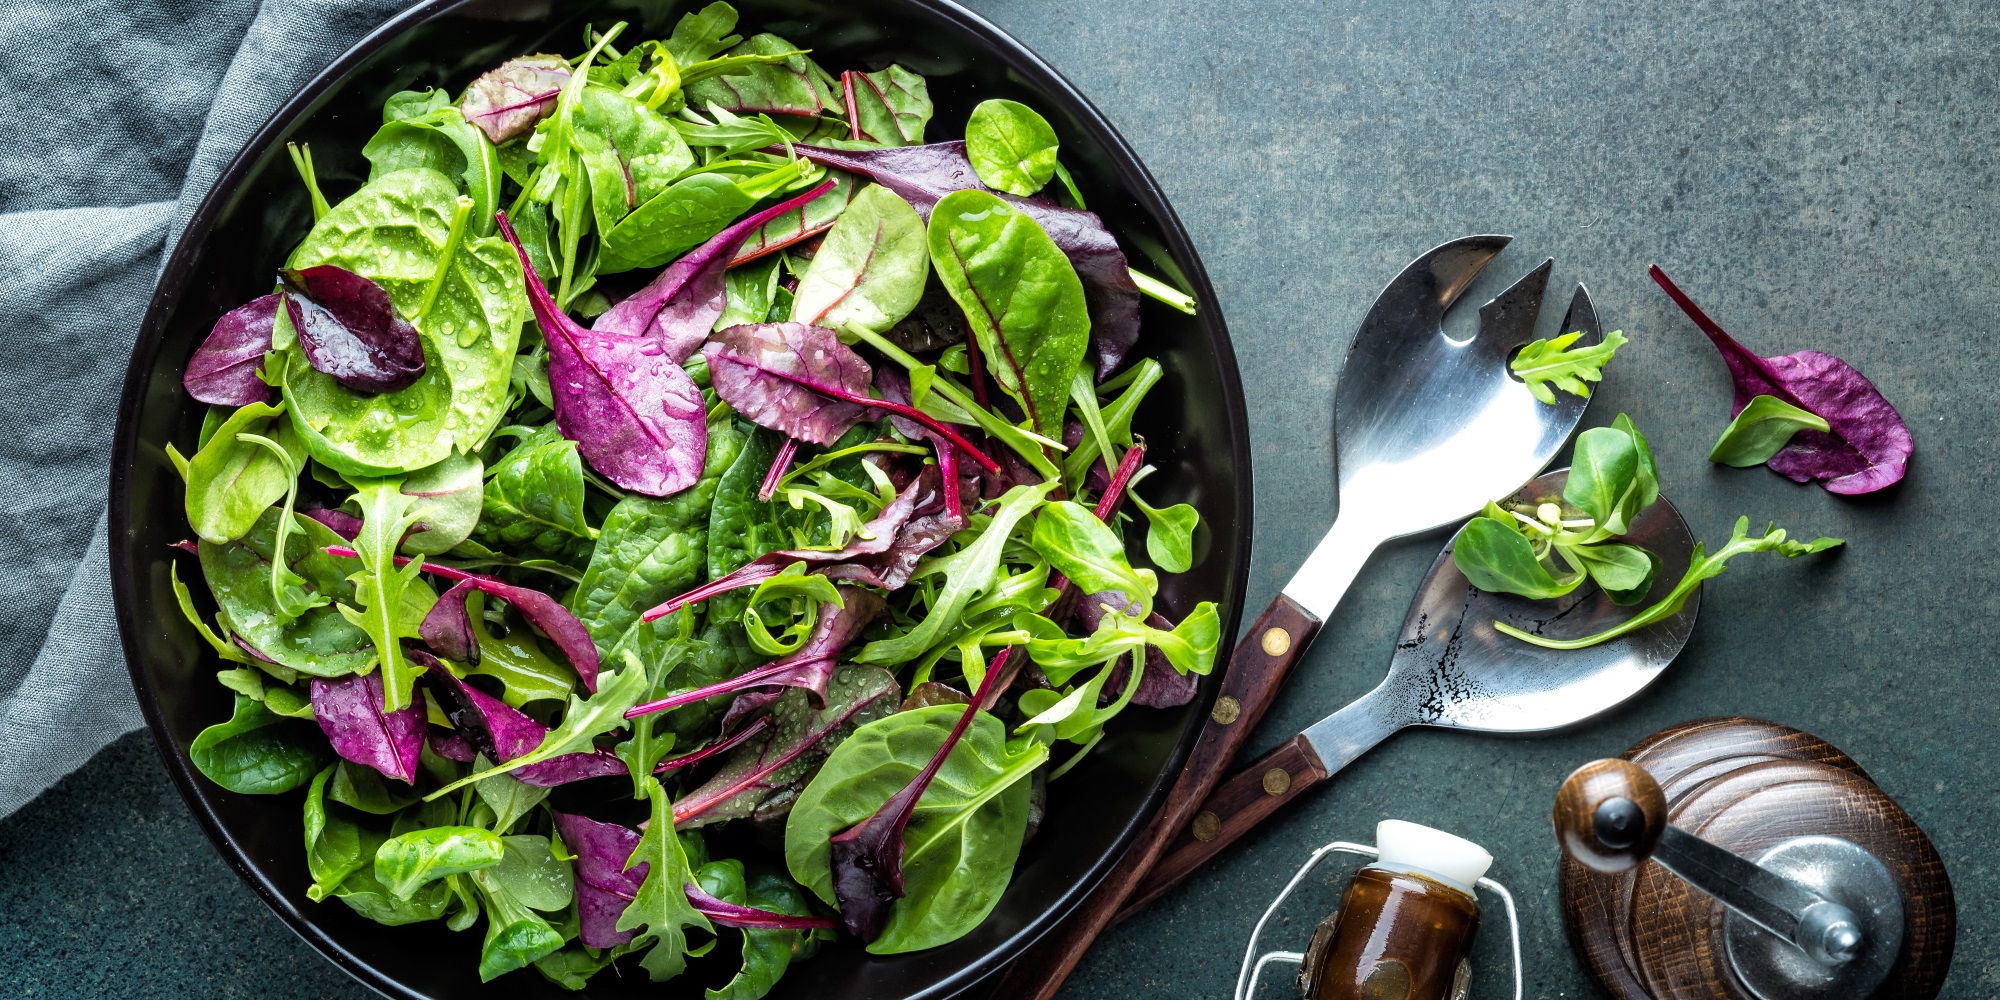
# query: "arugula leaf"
386,513
1762,429
231,481
968,572
1701,567
1012,148
961,841
870,270
661,906
1021,295
256,752
1552,362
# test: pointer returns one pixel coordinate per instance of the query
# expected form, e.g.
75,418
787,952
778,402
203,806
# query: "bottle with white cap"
1405,924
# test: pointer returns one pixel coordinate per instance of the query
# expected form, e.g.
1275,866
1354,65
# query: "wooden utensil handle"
1236,806
1256,669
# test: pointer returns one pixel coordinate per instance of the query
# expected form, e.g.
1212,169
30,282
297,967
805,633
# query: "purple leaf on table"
349,711
924,174
350,331
506,102
1867,446
758,368
680,307
223,370
635,416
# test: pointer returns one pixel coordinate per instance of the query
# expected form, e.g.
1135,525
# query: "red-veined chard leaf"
795,86
507,101
810,668
1021,295
871,269
349,711
223,370
680,307
749,365
889,107
350,331
761,776
1866,446
801,223
925,174
635,415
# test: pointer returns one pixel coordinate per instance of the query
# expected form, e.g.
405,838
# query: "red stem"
975,365
853,114
778,466
749,574
737,683
712,749
899,409
948,469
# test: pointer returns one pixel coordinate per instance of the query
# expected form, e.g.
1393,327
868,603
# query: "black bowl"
257,211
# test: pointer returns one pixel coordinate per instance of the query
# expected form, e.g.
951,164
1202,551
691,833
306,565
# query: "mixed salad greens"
764,605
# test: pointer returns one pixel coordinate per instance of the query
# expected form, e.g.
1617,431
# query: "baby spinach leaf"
319,642
1012,148
761,777
690,212
361,787
336,846
422,129
507,101
636,416
256,752
1086,550
630,153
871,269
366,895
1762,429
1020,294
516,937
350,713
1624,571
680,307
534,497
379,587
223,370
231,481
795,86
968,572
661,905
759,370
1552,362
749,291
889,107
960,845
449,496
404,863
649,550
1701,567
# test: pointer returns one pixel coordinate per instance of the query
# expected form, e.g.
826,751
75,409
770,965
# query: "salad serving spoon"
1427,429
1452,669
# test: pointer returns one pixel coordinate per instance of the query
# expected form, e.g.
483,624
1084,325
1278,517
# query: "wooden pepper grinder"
1780,872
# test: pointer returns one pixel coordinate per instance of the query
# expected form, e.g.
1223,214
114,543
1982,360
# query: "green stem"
1117,419
302,161
1062,173
459,216
1162,291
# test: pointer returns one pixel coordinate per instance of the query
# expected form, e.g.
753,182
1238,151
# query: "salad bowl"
1195,427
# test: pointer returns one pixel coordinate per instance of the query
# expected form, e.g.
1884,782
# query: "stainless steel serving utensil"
1452,669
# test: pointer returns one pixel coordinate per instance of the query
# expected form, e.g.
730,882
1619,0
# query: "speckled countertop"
1817,176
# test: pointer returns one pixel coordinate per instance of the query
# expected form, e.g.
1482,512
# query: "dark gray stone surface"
1816,176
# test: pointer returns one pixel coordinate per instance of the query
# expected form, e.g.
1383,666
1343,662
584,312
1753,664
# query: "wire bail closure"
1253,963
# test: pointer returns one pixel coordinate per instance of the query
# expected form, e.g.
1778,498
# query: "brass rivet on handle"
1277,781
1206,826
1277,641
1227,710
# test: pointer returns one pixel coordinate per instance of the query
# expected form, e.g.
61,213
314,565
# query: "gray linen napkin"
121,114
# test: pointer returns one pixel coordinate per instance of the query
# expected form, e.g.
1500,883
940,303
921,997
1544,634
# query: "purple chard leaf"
447,628
223,370
502,733
635,416
680,307
350,331
749,364
349,711
506,102
1866,446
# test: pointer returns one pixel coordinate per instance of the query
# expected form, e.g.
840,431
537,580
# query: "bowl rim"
1131,174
